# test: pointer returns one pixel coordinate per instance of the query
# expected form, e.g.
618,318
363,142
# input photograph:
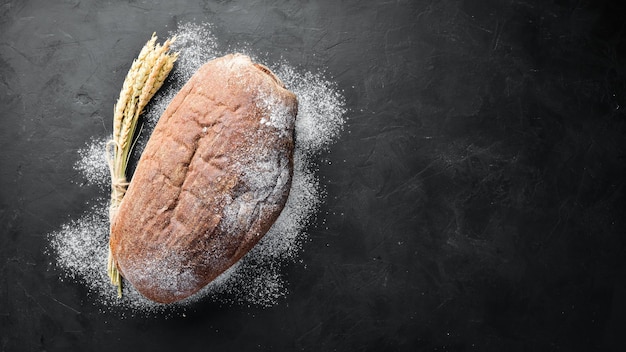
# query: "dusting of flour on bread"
278,117
79,247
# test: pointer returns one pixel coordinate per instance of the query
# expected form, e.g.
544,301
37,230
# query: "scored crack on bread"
212,179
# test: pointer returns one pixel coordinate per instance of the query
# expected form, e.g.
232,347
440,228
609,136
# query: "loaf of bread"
212,179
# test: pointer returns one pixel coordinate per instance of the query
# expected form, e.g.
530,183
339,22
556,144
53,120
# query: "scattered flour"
321,108
80,247
89,164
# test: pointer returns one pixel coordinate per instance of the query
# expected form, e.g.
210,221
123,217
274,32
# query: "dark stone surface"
475,200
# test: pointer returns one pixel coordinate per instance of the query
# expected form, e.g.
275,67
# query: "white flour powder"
79,248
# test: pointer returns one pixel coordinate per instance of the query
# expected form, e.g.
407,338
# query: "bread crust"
212,179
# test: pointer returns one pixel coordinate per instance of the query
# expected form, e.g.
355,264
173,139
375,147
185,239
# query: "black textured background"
476,199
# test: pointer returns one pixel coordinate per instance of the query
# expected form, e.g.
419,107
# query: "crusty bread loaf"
213,177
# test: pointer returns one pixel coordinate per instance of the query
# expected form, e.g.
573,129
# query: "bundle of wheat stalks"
145,77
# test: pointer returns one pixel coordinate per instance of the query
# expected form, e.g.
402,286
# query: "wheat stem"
144,78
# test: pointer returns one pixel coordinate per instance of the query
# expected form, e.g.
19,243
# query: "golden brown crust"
211,181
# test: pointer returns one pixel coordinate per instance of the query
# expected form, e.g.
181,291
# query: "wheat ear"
145,76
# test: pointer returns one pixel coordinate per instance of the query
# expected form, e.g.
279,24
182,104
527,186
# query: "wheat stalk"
145,76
